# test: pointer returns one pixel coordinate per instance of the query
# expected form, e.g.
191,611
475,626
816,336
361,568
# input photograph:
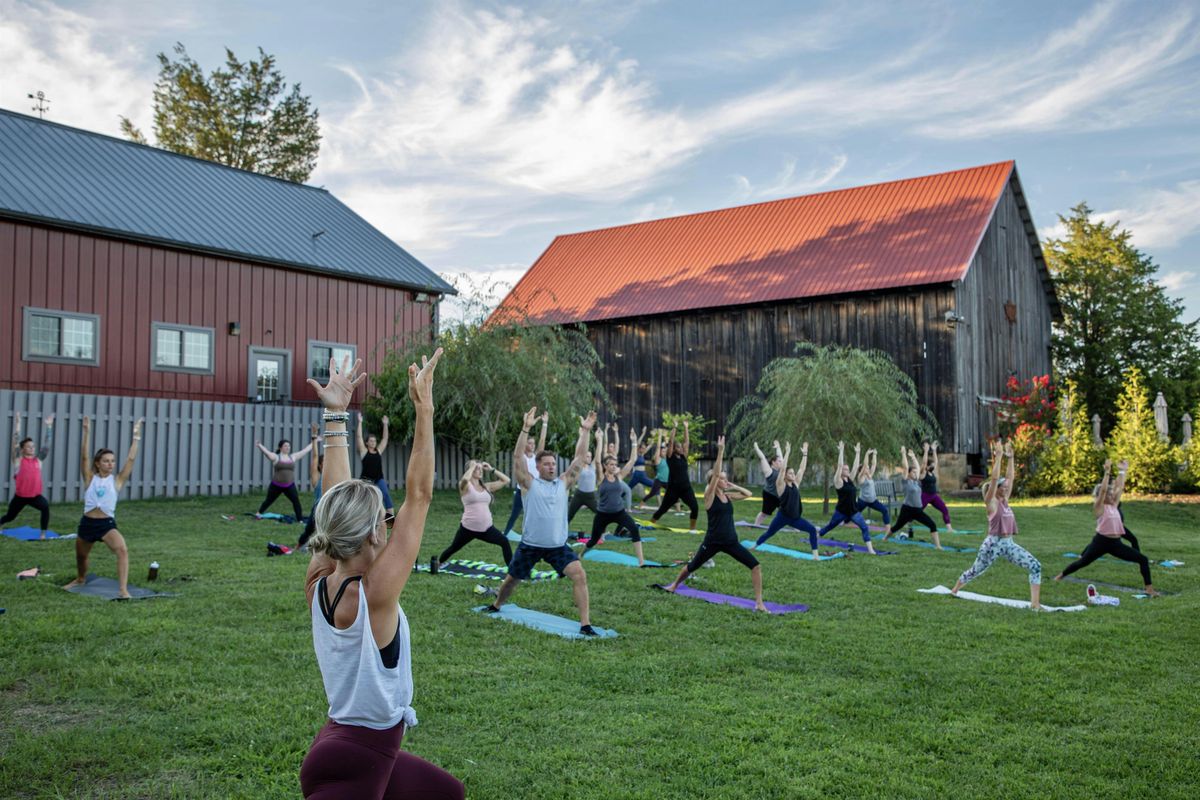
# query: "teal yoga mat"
547,623
929,545
624,559
784,551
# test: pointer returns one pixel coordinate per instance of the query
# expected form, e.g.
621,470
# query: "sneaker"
433,565
710,563
491,609
1091,593
588,630
486,591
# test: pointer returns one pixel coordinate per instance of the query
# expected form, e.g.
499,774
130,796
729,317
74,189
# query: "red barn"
129,270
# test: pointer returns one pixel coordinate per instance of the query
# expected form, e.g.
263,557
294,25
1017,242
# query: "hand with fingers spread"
335,395
420,381
530,417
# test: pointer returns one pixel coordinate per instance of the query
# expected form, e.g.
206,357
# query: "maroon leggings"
937,502
349,761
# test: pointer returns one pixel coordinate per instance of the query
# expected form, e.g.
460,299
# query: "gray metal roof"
86,181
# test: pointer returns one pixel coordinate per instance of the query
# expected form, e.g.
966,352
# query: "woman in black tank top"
719,497
370,451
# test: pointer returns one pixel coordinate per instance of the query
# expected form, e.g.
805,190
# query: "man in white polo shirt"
544,534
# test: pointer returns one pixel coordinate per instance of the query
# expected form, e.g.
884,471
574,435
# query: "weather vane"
43,105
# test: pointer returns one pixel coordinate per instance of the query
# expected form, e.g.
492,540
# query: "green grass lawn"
877,692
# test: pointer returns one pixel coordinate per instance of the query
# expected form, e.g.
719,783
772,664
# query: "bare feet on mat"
957,586
1058,577
74,583
759,607
124,595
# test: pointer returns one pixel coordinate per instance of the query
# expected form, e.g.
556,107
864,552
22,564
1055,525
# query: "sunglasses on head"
389,520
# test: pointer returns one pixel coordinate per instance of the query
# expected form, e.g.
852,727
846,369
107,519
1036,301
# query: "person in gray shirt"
910,510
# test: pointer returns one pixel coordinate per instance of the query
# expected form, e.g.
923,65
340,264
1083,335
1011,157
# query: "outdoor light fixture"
421,297
235,329
953,318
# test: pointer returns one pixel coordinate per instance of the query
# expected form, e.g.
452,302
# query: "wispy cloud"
1176,281
1161,217
788,182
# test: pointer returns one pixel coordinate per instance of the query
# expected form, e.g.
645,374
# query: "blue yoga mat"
514,536
783,551
624,559
27,534
547,623
929,545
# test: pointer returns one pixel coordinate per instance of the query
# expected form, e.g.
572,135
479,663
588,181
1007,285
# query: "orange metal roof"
885,236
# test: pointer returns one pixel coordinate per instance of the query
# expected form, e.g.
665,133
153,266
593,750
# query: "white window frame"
27,353
319,343
155,327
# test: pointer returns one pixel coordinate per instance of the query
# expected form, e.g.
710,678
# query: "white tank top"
102,494
361,691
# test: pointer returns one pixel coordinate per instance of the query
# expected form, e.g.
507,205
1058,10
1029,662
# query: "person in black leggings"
679,483
910,509
719,497
283,475
476,523
370,450
610,493
27,465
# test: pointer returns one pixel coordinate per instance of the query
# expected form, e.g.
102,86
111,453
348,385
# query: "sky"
472,133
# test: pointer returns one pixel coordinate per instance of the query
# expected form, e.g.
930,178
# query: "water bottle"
153,574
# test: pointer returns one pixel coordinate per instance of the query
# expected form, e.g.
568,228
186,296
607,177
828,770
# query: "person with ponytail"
360,633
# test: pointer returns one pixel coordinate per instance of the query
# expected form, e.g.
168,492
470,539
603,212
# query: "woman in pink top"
27,474
1110,529
1002,526
477,512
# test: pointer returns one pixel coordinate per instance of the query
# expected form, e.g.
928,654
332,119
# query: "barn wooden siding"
130,286
988,347
706,361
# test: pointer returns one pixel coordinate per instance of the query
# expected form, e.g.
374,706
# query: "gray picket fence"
188,447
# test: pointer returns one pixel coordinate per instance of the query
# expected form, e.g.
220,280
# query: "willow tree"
821,395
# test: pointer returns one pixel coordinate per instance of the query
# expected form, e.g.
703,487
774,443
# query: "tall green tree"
1115,316
241,115
825,394
1151,460
1071,462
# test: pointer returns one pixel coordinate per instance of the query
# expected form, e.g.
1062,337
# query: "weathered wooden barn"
943,272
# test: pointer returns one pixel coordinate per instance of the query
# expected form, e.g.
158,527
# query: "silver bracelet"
335,444
340,434
336,416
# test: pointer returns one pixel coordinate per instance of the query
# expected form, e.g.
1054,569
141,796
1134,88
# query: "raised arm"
912,460
687,437
16,440
499,482
299,454
854,468
314,466
803,463
922,469
616,439
272,457
936,474
1011,475
837,473
601,439
581,448
131,456
391,569
763,463
874,463
360,444
781,481
465,480
85,449
633,454
671,441
994,476
714,479
1119,488
657,455
542,436
383,442
1098,502
520,469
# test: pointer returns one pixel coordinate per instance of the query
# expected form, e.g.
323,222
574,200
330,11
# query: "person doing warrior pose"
1002,528
544,534
679,483
847,497
657,460
867,497
612,500
283,475
27,474
910,509
929,485
721,537
585,488
770,469
100,506
370,451
1110,529
529,457
476,496
791,506
639,477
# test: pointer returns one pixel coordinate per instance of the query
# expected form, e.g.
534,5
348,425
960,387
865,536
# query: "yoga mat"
783,551
740,524
624,559
1169,564
107,588
1000,601
613,537
482,570
1114,586
658,526
967,532
929,545
27,534
547,623
858,548
738,602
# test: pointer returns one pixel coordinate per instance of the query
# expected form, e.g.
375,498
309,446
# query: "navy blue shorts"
527,555
93,530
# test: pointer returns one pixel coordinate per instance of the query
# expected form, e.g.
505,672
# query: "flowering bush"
1026,417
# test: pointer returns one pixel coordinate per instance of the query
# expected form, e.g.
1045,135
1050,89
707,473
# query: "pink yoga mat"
740,602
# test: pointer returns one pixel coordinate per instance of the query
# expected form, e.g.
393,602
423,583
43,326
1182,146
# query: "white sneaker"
709,563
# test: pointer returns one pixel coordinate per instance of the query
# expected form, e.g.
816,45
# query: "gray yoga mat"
107,588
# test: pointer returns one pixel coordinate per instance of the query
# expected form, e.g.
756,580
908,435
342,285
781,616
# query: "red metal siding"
132,286
905,233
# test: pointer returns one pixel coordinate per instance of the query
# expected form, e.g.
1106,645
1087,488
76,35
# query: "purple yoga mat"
740,602
858,548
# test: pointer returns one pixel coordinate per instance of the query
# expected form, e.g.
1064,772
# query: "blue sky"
473,133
